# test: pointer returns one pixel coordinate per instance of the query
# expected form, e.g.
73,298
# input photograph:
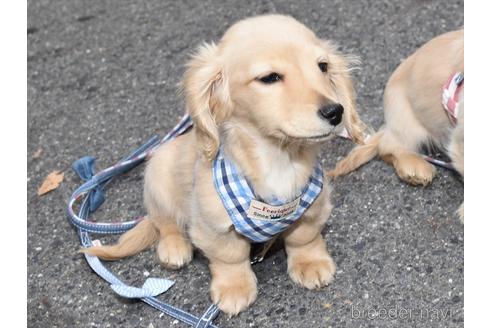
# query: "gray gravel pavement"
102,78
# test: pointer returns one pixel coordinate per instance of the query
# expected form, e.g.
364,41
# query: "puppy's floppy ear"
207,96
339,69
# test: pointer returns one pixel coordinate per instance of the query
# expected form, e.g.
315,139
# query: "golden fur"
269,131
415,116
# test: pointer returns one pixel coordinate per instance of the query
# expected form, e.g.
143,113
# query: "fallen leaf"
37,154
51,182
327,306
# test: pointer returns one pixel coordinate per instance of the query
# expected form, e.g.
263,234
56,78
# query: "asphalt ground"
102,78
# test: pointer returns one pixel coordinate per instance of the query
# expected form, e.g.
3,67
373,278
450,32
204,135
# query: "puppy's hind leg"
174,249
402,138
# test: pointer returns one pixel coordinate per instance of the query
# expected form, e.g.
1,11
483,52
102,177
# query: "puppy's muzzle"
332,113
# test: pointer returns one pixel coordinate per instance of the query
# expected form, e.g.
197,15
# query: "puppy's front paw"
414,169
233,294
174,251
312,273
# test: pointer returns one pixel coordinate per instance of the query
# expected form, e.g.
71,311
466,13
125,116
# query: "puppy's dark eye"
270,78
323,67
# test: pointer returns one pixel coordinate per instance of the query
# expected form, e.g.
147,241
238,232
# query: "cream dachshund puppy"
417,113
266,96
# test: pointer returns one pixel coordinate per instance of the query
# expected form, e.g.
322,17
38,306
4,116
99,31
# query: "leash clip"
260,256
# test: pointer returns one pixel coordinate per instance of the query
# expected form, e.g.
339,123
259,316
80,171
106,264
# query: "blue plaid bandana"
252,218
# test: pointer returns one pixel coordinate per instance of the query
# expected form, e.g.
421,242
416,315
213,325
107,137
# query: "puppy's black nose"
332,113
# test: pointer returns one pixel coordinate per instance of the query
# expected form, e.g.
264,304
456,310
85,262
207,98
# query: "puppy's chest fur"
281,176
274,171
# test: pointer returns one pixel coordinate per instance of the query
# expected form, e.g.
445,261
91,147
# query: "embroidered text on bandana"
253,218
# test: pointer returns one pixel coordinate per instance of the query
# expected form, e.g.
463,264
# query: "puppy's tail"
358,156
142,236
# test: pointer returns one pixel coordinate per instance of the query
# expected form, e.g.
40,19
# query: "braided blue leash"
91,195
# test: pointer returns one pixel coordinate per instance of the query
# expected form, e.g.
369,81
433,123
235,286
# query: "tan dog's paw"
234,294
312,273
414,169
174,251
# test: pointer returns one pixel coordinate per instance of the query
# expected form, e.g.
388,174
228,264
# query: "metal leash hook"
90,195
260,256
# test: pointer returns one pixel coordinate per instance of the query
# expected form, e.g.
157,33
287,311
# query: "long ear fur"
340,67
207,97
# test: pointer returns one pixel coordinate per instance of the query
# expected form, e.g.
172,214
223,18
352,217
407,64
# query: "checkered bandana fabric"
236,195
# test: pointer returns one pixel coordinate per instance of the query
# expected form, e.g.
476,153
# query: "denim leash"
90,195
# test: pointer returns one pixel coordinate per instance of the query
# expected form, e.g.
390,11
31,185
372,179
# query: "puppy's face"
275,74
282,78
